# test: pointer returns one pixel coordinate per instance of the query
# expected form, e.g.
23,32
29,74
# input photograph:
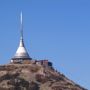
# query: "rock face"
34,77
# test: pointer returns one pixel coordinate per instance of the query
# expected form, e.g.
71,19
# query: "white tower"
21,53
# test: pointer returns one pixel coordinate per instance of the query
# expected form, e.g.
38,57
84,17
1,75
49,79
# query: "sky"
57,30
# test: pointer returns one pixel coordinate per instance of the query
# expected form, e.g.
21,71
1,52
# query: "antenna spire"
21,20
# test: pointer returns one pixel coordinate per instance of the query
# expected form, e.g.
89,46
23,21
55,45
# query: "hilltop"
34,77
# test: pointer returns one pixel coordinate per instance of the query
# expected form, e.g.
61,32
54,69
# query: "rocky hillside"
34,77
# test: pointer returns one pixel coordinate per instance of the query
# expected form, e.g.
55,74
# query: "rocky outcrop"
34,77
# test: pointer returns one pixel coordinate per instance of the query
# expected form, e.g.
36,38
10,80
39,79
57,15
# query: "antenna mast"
21,21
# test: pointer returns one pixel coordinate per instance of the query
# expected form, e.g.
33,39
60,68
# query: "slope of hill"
34,77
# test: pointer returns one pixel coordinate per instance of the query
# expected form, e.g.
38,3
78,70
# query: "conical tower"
21,53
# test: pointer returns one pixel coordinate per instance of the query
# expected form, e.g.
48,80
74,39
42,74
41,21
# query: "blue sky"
58,30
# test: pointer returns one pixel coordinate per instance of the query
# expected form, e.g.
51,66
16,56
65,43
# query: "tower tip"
21,17
21,21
